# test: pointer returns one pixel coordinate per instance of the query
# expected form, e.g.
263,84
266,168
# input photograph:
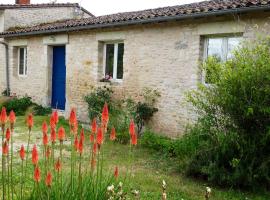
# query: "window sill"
112,82
22,76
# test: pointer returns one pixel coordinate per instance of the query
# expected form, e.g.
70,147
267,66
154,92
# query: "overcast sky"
102,7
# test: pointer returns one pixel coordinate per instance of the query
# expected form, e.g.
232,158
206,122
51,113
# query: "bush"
42,111
18,105
232,135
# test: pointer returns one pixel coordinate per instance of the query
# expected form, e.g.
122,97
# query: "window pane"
120,61
25,62
21,61
215,48
233,43
109,59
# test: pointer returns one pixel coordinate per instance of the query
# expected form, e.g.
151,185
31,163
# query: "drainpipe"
7,66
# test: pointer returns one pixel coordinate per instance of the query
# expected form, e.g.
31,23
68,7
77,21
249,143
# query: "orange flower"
48,152
3,116
8,134
35,155
94,126
105,114
58,166
30,121
22,153
131,128
134,139
44,127
55,116
95,148
61,134
76,143
92,137
48,180
52,122
116,172
5,148
82,134
81,145
74,128
45,139
53,135
12,117
72,118
113,134
99,136
37,174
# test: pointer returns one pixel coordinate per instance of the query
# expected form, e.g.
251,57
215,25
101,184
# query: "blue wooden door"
59,78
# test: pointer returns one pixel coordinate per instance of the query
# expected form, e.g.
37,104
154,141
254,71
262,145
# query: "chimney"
22,2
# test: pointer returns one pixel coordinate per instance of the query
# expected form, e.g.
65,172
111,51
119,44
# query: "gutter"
7,67
142,21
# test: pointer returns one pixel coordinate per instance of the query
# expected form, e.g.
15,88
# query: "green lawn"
149,169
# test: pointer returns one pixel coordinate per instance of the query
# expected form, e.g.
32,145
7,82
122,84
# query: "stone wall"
161,56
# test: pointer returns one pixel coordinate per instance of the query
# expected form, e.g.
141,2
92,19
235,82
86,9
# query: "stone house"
157,48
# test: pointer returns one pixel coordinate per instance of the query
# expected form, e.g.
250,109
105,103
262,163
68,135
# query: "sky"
103,7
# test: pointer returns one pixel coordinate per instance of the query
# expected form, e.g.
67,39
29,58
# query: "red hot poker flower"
55,116
113,134
95,148
8,134
5,148
45,139
61,134
92,137
94,126
30,121
81,145
12,117
76,143
82,134
99,136
35,155
58,166
74,128
105,114
44,127
53,135
22,153
3,116
37,174
116,172
134,139
52,122
48,180
72,118
131,128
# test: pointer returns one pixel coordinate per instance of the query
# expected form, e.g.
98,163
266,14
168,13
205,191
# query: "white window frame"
224,50
25,62
115,60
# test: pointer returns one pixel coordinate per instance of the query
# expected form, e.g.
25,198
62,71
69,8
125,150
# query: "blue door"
59,78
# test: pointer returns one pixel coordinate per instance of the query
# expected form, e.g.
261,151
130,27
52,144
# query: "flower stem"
22,180
61,157
11,165
80,176
3,163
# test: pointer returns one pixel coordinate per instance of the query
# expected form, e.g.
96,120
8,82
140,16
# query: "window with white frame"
113,60
22,61
221,48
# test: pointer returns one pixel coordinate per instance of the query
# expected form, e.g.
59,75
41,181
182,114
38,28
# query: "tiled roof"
146,16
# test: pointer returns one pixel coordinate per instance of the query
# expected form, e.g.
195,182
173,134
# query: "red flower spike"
35,155
48,153
99,136
58,166
113,134
82,134
22,153
74,128
3,116
30,121
76,143
72,118
53,135
61,134
92,137
134,139
116,172
5,148
8,134
94,126
37,174
95,148
44,127
12,117
81,145
105,114
131,128
52,122
45,139
55,116
48,180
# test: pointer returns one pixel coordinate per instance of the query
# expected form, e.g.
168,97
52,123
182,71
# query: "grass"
149,169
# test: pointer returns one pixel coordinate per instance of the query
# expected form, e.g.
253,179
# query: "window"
22,61
113,60
221,48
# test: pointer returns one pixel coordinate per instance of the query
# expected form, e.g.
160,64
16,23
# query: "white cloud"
102,7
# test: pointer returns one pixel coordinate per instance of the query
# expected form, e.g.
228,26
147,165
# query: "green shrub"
42,111
230,141
18,105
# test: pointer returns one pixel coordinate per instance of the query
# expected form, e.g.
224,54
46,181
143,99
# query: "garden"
224,155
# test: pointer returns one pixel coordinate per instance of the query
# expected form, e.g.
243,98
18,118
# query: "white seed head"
164,183
208,190
110,188
120,184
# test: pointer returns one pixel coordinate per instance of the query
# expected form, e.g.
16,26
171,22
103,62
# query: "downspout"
7,67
